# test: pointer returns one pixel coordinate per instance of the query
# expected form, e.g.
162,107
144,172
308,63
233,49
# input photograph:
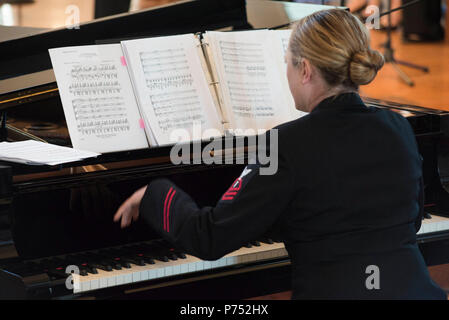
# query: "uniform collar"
340,101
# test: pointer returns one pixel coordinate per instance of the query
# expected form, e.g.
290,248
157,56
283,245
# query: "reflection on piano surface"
62,216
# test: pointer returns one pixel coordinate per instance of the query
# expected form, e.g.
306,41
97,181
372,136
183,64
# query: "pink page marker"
122,59
142,124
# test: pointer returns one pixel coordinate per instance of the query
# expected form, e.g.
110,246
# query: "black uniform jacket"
346,200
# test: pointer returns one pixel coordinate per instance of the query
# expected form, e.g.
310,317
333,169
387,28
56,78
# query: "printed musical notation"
161,61
88,80
246,72
98,107
164,83
251,99
178,110
173,96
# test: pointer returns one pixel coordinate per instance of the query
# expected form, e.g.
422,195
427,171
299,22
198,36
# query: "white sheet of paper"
248,72
36,152
171,87
280,40
98,100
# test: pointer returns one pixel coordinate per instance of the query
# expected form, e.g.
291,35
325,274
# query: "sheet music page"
248,72
280,40
38,153
171,87
98,99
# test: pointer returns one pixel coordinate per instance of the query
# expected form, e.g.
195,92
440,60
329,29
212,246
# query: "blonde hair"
336,43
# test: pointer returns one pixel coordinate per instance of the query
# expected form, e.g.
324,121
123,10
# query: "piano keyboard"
189,264
162,269
435,224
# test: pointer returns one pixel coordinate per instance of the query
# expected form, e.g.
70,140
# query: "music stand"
389,51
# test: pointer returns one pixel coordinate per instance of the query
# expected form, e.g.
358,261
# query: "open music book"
135,94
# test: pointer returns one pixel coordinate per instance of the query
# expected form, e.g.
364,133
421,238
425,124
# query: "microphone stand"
389,51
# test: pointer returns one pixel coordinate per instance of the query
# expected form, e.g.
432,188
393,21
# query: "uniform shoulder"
294,125
290,134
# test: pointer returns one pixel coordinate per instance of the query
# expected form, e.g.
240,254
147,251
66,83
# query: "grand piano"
55,220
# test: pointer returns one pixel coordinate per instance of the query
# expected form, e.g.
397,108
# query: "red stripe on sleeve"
168,210
165,208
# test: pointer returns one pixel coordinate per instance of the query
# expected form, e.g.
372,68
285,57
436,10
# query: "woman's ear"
306,70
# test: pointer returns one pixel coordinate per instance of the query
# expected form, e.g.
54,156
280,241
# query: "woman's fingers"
124,213
119,212
129,210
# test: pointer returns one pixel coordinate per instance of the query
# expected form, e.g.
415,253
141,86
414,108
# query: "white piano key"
231,261
184,268
168,271
85,286
119,279
221,262
191,267
176,269
160,272
144,275
103,282
199,265
136,276
128,277
111,281
152,274
94,284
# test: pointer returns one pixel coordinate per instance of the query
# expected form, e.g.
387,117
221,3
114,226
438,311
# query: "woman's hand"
129,210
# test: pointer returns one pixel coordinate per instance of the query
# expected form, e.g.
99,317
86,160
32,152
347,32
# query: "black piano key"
81,263
139,261
83,272
123,257
118,265
96,261
181,255
172,256
162,258
152,251
125,264
164,249
148,257
267,240
173,251
148,260
255,243
115,263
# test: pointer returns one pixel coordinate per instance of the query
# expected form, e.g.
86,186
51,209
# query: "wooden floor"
430,90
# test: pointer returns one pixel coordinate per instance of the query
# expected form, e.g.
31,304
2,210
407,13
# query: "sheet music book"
137,93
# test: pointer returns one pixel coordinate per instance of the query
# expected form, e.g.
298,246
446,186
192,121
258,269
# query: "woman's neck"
326,92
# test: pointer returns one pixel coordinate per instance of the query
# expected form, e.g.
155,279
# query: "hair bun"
364,65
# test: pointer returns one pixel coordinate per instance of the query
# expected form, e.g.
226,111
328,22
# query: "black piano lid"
30,54
406,110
